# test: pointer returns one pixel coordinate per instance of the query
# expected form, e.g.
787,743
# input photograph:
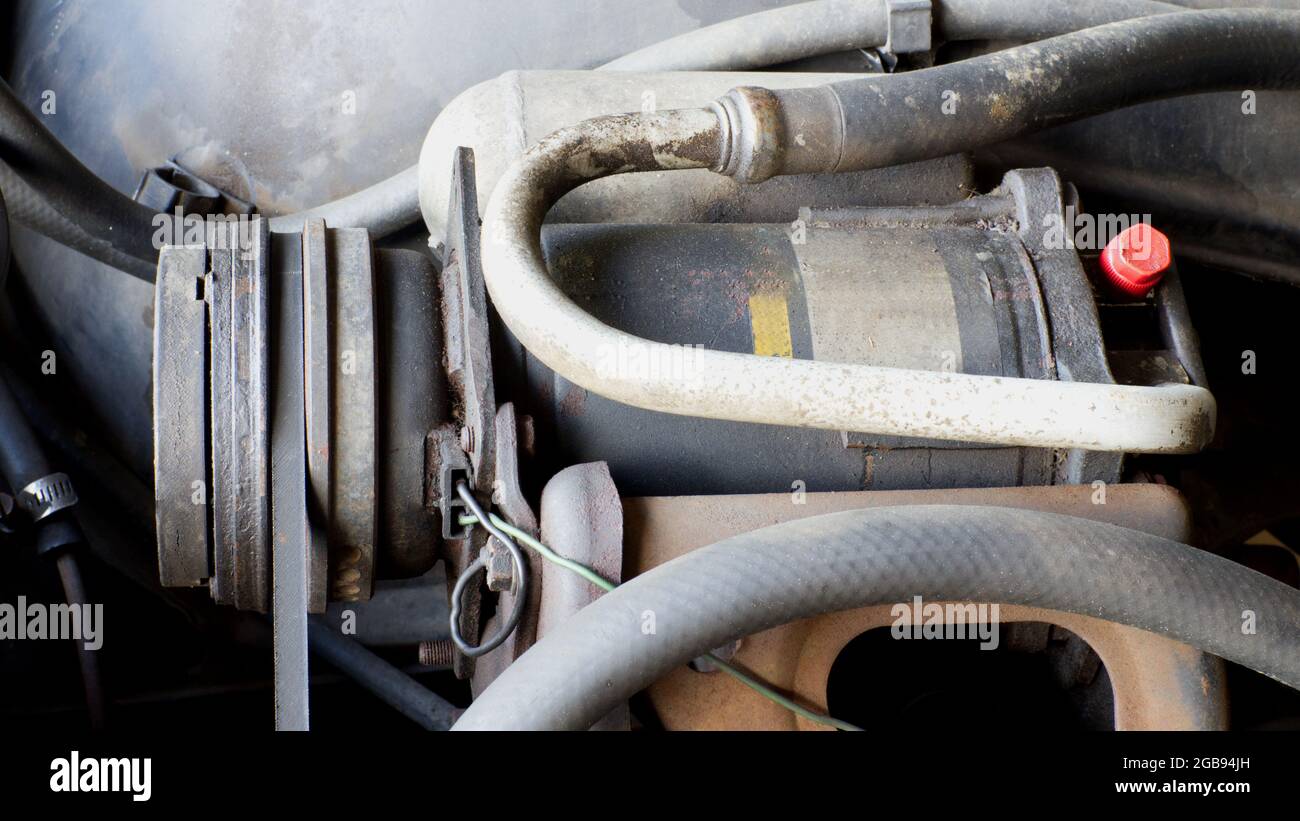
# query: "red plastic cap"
1136,259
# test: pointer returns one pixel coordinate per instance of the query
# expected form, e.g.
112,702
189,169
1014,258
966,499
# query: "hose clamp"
47,496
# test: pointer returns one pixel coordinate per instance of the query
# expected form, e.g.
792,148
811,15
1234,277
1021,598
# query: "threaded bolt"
437,653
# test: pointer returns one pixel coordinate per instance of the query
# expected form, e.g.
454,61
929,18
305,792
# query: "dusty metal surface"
247,551
220,291
317,369
469,373
931,288
354,414
581,520
1158,683
774,389
291,531
509,502
502,118
1078,351
178,410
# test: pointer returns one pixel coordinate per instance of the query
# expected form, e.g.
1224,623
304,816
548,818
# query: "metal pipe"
754,134
391,685
75,594
875,121
775,390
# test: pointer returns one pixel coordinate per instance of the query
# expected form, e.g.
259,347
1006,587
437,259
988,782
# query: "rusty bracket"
453,467
469,374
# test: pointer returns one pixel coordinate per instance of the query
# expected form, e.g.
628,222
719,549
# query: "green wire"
606,585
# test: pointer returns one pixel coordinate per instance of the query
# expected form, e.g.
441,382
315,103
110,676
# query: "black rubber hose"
901,118
69,188
22,461
1017,20
395,688
808,29
740,586
77,451
6,258
74,592
54,194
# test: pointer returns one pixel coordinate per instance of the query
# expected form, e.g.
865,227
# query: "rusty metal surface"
1157,683
180,470
316,389
508,500
291,531
581,520
469,370
353,415
251,427
220,292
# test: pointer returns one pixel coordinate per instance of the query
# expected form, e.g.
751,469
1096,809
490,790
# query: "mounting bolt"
467,439
437,653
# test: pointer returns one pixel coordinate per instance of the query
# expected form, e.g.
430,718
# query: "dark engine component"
967,288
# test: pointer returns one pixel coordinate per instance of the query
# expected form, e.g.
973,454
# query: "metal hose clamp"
47,496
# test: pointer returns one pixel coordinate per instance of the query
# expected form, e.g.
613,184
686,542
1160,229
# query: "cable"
495,523
394,687
74,592
519,584
22,463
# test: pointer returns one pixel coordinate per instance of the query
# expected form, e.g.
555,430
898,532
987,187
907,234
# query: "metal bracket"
171,186
908,27
453,467
469,372
1078,350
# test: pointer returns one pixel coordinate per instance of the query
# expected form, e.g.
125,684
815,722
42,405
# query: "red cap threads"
1136,259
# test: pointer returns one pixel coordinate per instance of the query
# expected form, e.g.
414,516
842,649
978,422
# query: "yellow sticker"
770,319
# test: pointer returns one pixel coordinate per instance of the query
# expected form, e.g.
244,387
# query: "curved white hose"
749,388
